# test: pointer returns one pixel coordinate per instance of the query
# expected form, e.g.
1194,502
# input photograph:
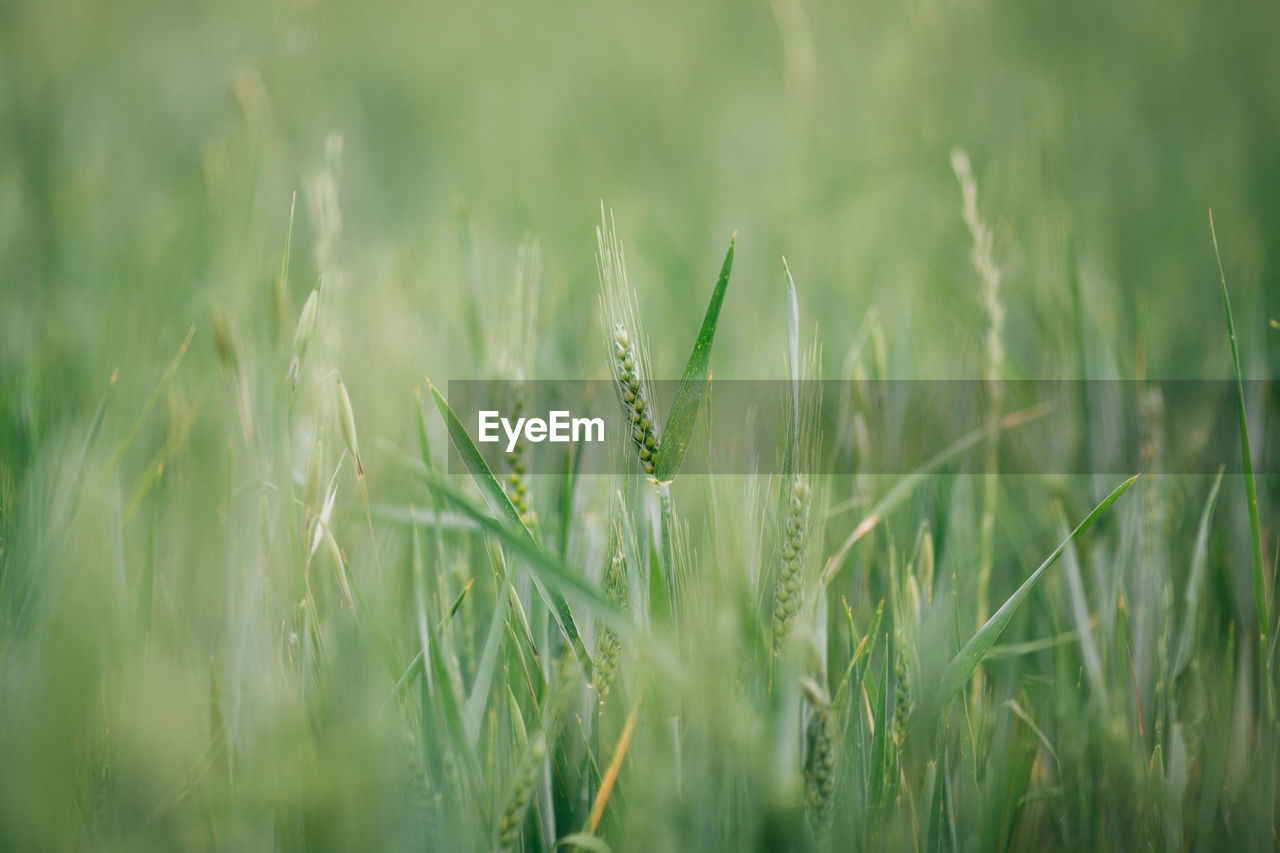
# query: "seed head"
627,355
522,785
901,698
820,771
306,323
635,404
347,419
339,566
788,589
517,481
301,337
608,644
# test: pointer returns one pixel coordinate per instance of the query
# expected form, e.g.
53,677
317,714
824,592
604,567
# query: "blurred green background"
149,153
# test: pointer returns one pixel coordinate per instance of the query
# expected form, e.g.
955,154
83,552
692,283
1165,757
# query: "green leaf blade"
1251,490
513,532
483,684
678,430
961,668
1195,583
793,365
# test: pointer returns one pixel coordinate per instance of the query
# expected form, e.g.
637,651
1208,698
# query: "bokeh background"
149,158
151,153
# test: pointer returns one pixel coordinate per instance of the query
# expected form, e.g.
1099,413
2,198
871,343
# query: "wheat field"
261,589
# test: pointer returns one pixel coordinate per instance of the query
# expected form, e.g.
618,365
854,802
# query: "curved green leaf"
678,429
964,663
1250,488
1199,563
513,532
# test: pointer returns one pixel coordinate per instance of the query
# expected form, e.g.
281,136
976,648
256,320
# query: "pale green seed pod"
339,567
306,323
347,419
301,337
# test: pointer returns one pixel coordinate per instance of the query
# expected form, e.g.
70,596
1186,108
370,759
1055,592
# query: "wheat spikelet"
517,356
628,355
517,481
608,644
795,511
820,772
634,400
788,590
520,794
902,706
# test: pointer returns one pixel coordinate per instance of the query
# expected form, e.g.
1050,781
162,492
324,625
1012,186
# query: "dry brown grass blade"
611,773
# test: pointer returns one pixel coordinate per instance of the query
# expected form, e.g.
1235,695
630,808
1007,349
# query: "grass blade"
963,664
1199,563
436,671
490,489
903,487
545,566
879,762
678,429
611,774
424,442
793,365
484,671
151,401
1080,614
1251,491
514,532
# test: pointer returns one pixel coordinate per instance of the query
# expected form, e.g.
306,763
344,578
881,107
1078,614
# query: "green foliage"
678,428
213,636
